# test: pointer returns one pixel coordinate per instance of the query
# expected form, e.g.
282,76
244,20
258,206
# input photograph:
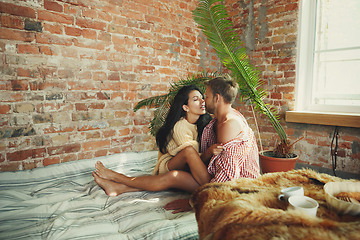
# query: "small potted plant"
214,22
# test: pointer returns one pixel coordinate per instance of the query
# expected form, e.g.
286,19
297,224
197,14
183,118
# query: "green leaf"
214,21
162,103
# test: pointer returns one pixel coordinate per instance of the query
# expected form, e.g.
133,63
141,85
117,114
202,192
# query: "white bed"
63,202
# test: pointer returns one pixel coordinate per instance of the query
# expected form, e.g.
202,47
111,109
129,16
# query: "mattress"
62,201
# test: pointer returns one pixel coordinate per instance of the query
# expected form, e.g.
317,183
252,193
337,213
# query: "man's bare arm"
228,130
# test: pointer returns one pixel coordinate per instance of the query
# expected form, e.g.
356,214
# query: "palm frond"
151,102
162,103
213,21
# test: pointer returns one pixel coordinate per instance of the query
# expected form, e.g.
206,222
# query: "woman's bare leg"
106,173
197,167
173,179
112,188
188,156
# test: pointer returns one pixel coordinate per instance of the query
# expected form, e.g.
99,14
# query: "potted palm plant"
214,22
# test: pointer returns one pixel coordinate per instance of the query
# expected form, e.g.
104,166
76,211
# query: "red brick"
88,146
70,148
153,19
51,160
146,69
55,129
10,167
355,156
289,74
167,71
52,39
72,31
53,6
111,9
102,96
109,133
16,10
54,17
101,152
105,16
28,49
276,24
88,33
96,105
285,30
69,157
282,60
104,36
12,22
286,67
78,42
130,96
86,23
19,85
90,13
16,35
70,9
114,76
275,10
48,85
85,155
26,154
291,7
285,89
46,50
99,76
346,145
30,165
275,96
4,109
57,28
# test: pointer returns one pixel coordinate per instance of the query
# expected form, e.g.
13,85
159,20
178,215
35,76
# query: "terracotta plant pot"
272,164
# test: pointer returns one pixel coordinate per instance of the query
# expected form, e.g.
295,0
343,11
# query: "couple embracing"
192,150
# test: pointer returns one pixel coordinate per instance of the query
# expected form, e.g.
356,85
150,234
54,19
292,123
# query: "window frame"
305,63
303,113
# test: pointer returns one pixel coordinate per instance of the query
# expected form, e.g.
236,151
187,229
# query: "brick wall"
268,29
72,71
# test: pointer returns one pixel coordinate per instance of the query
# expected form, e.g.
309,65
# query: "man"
239,156
228,146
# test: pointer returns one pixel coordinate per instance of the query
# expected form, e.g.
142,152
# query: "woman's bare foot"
112,188
106,173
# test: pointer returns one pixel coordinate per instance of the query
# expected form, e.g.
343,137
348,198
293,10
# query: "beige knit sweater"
184,134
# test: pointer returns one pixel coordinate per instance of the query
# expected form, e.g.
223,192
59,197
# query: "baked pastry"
353,197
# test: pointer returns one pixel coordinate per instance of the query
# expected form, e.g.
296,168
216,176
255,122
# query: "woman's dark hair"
176,112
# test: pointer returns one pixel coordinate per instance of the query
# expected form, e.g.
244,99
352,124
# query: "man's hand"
179,205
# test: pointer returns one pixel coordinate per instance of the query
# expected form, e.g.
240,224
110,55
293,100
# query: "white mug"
305,204
291,191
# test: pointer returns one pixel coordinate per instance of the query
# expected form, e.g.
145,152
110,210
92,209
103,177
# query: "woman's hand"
179,205
216,149
213,150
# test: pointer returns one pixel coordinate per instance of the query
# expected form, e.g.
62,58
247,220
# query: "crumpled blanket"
250,209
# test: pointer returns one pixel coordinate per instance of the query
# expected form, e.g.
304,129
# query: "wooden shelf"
332,119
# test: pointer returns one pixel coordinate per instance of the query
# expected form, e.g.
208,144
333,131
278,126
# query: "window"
328,64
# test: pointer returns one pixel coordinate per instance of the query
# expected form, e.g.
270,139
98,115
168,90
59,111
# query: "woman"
178,142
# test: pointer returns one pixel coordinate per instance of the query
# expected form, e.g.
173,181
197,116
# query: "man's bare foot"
112,188
106,173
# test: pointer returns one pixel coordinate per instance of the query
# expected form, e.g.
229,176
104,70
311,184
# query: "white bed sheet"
63,202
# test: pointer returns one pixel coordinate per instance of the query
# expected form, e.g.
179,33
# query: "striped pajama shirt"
239,158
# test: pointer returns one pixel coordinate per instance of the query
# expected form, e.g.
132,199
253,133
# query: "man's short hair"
225,86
